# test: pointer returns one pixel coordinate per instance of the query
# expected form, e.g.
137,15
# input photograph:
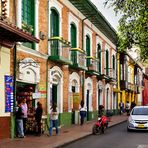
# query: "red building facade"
145,91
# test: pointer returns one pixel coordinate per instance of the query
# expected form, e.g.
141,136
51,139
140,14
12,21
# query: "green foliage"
133,25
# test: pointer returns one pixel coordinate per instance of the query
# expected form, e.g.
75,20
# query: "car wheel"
129,130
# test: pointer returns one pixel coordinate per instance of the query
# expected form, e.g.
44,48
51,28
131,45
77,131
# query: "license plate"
140,125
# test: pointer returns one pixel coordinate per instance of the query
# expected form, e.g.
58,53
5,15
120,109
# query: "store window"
28,18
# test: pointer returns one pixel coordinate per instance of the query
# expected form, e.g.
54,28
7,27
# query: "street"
115,137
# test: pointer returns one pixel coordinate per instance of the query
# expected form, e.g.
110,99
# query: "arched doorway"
55,85
74,96
88,97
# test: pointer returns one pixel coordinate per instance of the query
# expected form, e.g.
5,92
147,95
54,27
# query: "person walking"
19,120
127,108
25,112
121,105
38,118
54,114
82,113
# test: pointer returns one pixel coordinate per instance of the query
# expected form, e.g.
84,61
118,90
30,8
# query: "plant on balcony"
27,27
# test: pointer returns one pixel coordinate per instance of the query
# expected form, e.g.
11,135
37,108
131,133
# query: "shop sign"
8,93
42,90
36,95
76,101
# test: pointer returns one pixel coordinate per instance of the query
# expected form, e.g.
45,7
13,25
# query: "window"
73,31
54,19
113,62
107,63
88,48
28,17
99,56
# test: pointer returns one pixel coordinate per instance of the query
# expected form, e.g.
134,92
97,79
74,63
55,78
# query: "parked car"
138,118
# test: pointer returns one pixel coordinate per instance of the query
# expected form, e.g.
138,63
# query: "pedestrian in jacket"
19,120
38,118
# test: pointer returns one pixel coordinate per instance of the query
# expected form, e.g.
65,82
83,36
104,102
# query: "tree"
133,24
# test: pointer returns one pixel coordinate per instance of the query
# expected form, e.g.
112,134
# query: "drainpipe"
83,89
118,78
14,91
83,84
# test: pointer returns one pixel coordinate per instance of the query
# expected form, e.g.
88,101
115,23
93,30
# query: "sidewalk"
66,135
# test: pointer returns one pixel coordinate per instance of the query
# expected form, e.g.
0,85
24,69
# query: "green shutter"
28,17
113,62
73,36
99,56
88,49
107,63
54,19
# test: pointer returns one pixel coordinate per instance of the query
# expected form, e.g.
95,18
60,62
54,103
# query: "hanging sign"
8,93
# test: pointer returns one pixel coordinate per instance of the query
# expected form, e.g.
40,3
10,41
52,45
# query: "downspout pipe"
83,85
14,91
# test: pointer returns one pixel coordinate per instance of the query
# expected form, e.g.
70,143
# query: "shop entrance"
54,94
25,90
87,103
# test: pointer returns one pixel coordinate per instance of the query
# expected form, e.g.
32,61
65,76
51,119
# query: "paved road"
115,137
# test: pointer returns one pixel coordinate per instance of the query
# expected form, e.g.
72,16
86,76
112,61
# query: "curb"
72,141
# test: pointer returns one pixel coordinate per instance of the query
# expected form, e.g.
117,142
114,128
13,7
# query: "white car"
138,118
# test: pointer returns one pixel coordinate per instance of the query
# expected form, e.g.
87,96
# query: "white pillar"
19,13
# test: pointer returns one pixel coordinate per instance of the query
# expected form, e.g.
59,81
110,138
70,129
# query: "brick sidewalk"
66,135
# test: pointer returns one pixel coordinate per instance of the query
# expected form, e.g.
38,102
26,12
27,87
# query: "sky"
108,13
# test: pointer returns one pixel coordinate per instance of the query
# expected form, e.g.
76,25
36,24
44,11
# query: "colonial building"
130,79
9,35
82,59
75,59
145,89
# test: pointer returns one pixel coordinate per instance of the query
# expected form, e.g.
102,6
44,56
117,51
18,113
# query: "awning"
9,34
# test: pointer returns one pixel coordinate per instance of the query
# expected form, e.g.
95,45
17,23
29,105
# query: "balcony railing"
59,50
78,58
92,64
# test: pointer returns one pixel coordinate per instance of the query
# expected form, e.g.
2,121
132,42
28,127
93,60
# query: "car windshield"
140,111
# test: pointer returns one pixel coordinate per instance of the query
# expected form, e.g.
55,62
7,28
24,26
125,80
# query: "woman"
38,117
54,119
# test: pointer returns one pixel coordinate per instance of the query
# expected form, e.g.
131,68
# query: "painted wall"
4,70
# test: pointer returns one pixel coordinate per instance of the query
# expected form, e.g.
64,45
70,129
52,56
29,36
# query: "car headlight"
131,120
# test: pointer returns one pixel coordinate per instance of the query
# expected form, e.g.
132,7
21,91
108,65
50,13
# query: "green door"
88,48
54,27
73,32
54,94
